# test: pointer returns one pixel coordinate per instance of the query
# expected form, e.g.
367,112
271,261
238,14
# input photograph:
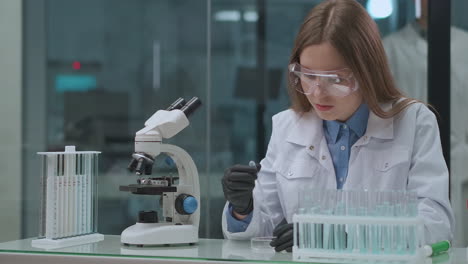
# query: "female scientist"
348,127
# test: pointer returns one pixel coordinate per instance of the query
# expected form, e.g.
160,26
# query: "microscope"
180,197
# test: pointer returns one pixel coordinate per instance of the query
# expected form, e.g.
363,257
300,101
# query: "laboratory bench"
110,250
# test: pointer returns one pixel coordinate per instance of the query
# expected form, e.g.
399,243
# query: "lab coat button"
311,147
290,173
324,157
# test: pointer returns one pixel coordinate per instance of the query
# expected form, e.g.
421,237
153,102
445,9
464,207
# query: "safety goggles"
335,83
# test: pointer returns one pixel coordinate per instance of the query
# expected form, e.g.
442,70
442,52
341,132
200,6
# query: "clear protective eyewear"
335,83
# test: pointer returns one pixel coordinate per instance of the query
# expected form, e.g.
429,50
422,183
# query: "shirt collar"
331,129
357,123
307,129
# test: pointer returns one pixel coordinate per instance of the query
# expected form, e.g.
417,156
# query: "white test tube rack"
335,226
68,209
358,250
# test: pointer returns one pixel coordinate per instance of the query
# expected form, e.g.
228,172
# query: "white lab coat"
407,55
400,153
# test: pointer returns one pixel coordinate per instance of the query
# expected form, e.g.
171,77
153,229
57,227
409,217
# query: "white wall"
10,118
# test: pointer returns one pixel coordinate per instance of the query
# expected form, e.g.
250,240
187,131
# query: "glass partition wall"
106,66
95,70
459,119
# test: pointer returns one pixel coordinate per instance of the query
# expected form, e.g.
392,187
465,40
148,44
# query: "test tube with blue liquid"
381,224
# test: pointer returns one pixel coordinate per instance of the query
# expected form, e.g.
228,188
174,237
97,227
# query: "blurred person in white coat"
348,128
407,52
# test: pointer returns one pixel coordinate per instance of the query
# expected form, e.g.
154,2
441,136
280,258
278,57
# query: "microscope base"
148,234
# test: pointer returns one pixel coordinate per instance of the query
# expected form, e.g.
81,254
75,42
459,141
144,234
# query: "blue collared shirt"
341,137
234,225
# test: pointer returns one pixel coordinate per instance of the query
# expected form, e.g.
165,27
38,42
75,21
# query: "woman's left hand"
284,237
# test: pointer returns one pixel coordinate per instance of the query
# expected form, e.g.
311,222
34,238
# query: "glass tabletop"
205,250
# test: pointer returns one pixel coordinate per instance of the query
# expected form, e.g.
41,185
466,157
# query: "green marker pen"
437,248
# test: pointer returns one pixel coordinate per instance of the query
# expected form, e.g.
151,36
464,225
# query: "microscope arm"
188,176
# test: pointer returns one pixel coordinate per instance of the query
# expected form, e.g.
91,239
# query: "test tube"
303,236
374,229
326,233
51,196
412,206
68,196
82,194
394,231
317,231
339,232
85,195
88,194
385,229
362,227
368,209
326,227
61,200
78,193
311,230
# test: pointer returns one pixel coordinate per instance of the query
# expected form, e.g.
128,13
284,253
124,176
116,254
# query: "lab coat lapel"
308,132
377,127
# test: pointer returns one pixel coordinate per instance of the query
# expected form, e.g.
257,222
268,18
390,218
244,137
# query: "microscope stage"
147,189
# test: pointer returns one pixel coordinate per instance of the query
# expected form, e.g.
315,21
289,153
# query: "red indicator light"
76,65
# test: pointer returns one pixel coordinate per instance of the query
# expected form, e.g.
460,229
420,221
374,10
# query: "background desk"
207,250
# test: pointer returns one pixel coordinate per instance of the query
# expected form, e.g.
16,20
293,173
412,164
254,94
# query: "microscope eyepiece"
177,104
191,106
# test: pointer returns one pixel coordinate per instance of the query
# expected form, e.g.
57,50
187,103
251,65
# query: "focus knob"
186,204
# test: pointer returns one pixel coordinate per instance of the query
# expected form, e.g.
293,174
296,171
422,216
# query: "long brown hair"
347,26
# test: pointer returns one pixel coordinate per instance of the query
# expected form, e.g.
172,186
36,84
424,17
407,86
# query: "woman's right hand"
238,183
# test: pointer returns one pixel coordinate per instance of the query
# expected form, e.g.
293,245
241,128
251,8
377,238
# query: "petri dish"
262,244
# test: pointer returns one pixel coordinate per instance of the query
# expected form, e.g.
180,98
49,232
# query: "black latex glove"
284,237
238,183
